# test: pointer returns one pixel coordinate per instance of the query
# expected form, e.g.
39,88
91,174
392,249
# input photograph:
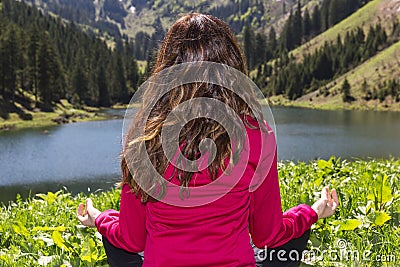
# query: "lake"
85,156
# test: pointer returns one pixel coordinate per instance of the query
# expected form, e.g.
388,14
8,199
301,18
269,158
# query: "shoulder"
257,131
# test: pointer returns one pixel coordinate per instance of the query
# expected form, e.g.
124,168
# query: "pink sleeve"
268,225
125,229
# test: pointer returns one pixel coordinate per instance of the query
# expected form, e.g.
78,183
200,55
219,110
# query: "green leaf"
322,164
318,182
89,251
386,193
382,192
349,225
50,198
49,228
20,229
59,240
381,217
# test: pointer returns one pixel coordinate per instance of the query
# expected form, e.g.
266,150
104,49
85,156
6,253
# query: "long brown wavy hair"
194,37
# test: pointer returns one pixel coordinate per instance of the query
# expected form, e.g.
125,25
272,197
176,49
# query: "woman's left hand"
327,204
88,216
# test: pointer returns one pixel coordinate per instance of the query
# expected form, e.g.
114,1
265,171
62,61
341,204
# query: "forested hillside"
132,16
300,50
316,68
44,59
145,22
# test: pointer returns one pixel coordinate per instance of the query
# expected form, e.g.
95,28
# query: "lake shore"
311,102
62,113
65,113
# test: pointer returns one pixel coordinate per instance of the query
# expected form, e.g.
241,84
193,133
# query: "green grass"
331,103
44,228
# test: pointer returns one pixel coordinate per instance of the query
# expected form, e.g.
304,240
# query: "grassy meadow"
43,230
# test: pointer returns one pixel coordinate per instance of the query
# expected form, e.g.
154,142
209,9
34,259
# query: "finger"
324,193
81,210
91,210
335,198
89,204
328,194
81,219
329,197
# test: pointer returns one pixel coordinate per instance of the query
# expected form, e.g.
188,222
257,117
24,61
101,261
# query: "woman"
216,233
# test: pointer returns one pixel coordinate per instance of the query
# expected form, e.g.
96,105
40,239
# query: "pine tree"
142,45
283,7
33,51
346,95
316,21
335,12
272,43
297,26
248,46
370,44
325,14
307,25
118,80
104,97
287,36
130,66
322,69
10,63
260,51
44,73
80,83
57,78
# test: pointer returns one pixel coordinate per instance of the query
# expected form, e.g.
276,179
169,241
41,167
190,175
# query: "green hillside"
53,72
372,75
382,11
370,81
352,65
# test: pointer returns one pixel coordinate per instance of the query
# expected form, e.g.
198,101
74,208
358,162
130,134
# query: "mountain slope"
132,16
371,69
367,77
383,11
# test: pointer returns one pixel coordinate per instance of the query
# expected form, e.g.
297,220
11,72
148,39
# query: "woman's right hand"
87,216
327,204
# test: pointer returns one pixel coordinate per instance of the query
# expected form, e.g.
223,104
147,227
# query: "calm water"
83,155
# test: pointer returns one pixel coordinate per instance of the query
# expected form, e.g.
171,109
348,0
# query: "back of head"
192,38
199,37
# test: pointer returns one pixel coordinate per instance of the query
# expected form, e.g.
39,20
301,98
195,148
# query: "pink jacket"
214,234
